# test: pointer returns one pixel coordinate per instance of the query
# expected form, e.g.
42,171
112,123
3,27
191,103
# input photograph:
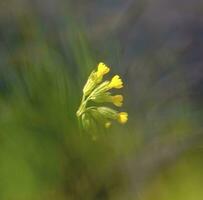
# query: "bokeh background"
47,50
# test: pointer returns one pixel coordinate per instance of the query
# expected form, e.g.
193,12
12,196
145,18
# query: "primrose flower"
116,82
117,100
98,91
122,117
102,69
95,78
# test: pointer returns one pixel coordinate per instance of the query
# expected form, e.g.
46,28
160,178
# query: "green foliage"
44,154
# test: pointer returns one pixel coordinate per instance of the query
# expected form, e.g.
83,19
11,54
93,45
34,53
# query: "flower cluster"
96,90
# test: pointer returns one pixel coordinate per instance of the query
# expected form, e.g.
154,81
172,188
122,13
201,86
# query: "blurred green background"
48,49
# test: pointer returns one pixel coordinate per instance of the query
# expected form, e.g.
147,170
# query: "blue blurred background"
48,49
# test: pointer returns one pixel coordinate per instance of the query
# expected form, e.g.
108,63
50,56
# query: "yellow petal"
117,100
116,82
122,117
102,69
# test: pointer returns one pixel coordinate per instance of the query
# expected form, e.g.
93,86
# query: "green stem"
82,106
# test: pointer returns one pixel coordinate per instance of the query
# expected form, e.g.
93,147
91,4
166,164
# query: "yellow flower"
122,117
117,100
116,82
98,91
95,78
102,69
